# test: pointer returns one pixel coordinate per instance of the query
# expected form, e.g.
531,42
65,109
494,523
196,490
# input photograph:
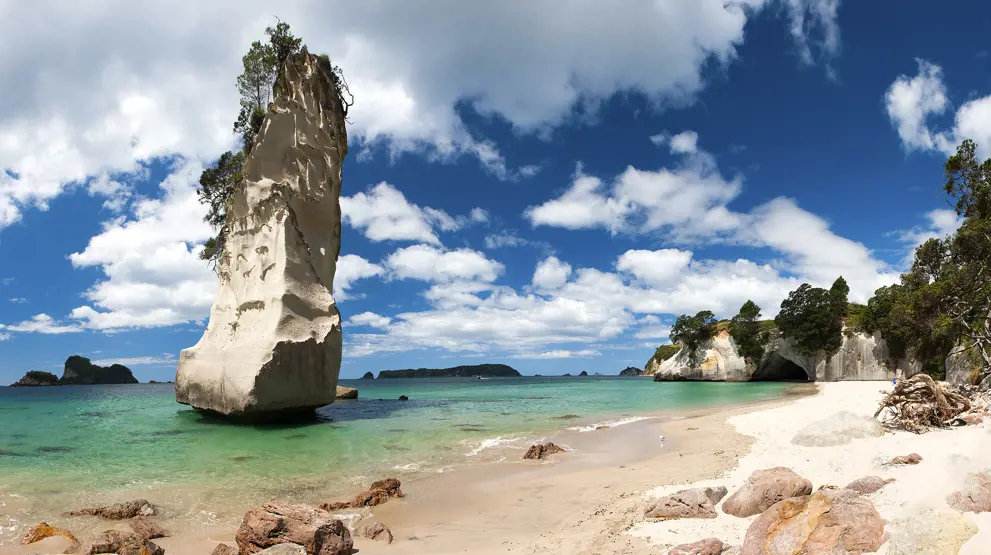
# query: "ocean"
74,446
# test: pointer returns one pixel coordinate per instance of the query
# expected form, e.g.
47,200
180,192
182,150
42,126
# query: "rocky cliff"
80,371
273,344
468,371
35,378
861,357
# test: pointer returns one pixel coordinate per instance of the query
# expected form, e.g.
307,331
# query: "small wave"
609,424
411,467
493,442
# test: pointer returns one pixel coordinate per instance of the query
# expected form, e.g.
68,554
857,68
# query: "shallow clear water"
70,445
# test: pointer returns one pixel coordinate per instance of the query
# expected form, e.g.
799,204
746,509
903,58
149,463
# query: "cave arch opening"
779,369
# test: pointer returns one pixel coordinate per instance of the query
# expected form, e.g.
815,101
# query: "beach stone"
376,531
45,530
224,549
119,511
765,488
379,492
708,546
913,458
284,549
975,497
118,542
541,451
826,522
868,484
279,522
346,392
147,529
687,503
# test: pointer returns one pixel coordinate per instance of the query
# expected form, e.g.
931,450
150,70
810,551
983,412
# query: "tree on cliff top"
813,318
748,332
260,69
694,332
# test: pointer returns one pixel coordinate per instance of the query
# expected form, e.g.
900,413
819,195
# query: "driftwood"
919,404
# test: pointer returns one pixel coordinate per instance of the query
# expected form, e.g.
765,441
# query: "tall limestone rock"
721,362
273,345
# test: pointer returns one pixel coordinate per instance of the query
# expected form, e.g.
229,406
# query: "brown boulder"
380,492
119,511
45,530
538,451
914,458
376,531
708,546
826,522
975,497
147,529
346,392
224,549
687,503
765,488
868,484
119,542
278,522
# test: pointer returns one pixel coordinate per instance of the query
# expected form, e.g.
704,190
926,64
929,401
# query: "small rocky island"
79,371
468,371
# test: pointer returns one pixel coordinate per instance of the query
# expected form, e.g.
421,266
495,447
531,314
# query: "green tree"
694,332
748,332
216,186
809,317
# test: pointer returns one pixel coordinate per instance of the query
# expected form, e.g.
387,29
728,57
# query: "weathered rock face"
722,362
34,378
868,484
631,371
975,495
346,392
279,522
861,357
273,345
962,367
708,546
379,492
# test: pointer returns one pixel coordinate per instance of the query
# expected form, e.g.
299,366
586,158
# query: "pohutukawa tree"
261,66
813,318
748,332
693,333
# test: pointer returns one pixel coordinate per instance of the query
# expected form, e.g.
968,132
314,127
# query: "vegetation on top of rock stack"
485,370
257,85
813,317
36,378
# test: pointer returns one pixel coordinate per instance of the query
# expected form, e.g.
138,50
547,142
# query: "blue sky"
543,187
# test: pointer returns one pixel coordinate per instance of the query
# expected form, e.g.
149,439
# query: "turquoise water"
80,443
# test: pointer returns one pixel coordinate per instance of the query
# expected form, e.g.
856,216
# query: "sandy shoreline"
591,499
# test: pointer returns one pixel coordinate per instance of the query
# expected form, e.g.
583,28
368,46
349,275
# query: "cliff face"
861,357
273,345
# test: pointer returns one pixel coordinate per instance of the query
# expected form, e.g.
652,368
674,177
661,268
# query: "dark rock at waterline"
35,378
368,376
583,373
375,531
147,529
280,522
468,371
120,542
379,492
118,511
541,451
346,392
403,398
631,371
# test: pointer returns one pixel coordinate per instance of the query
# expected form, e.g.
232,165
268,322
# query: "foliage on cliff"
468,371
945,298
256,84
749,333
813,318
694,332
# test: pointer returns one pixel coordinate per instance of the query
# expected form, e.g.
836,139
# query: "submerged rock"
273,345
828,521
45,530
279,522
35,378
147,529
119,542
118,511
765,488
375,531
379,492
687,503
346,392
541,451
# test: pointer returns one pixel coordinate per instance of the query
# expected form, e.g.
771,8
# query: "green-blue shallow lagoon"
65,447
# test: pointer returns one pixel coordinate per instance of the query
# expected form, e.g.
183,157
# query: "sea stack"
273,345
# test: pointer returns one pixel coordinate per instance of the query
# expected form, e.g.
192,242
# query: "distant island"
483,370
631,371
79,371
